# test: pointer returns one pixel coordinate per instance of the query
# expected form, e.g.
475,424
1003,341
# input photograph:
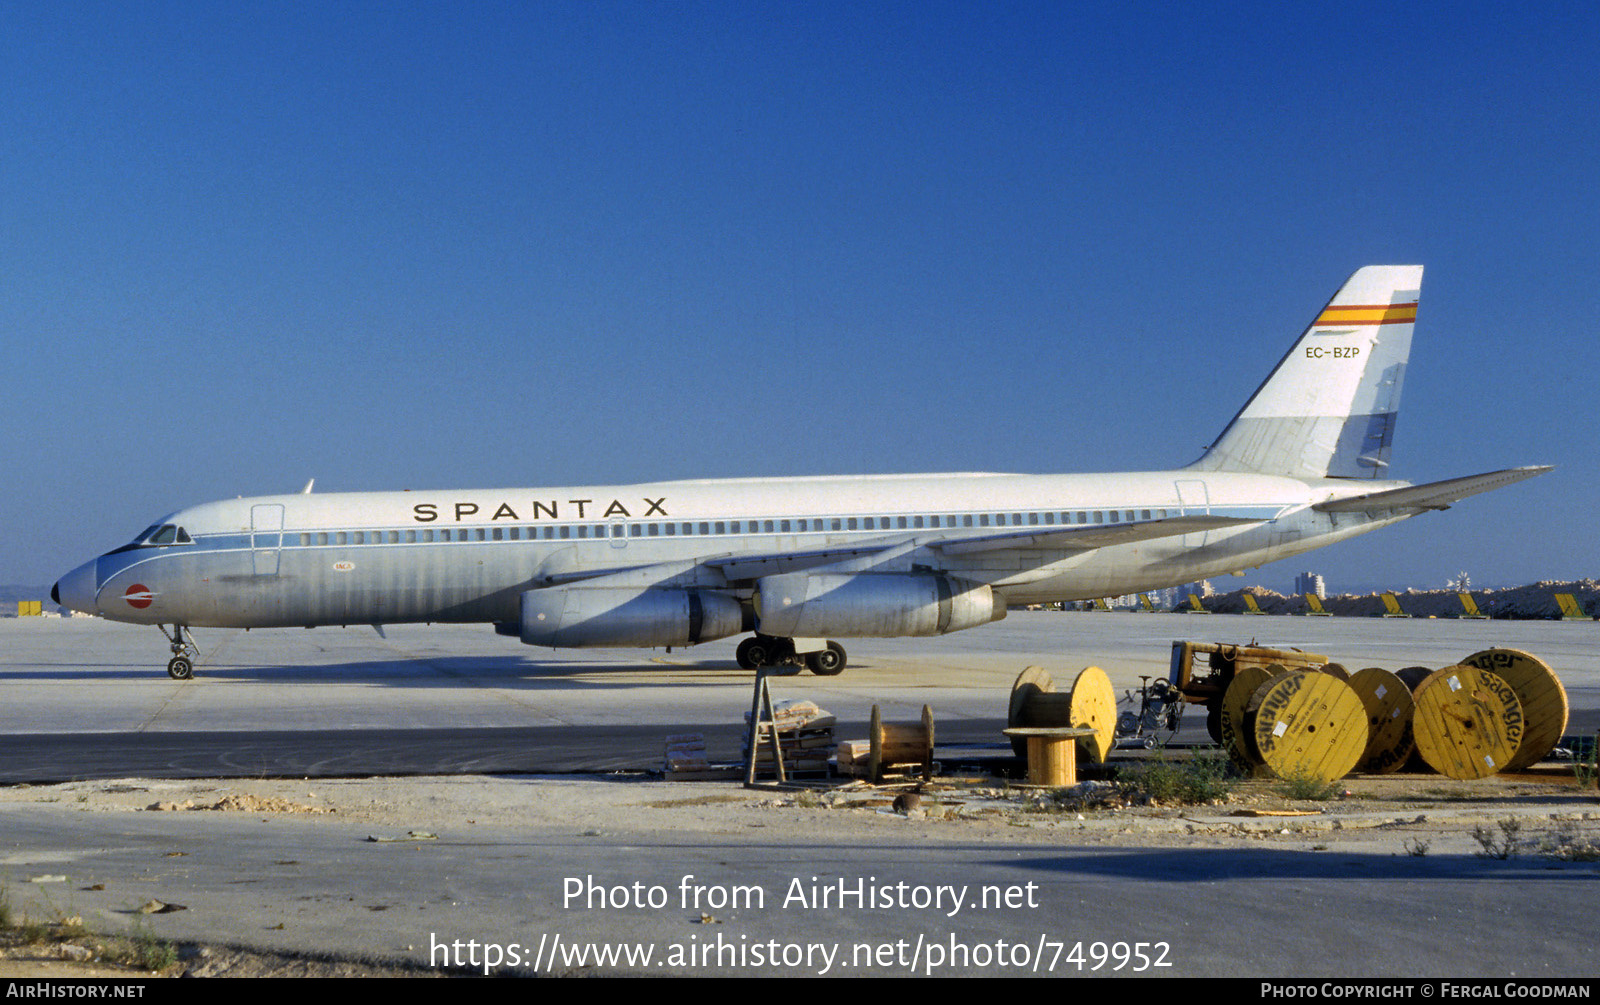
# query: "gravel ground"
1393,815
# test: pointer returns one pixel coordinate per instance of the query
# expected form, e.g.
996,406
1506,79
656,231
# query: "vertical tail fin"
1328,408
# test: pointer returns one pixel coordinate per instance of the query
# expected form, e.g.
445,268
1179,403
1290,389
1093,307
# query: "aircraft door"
266,538
1193,500
619,531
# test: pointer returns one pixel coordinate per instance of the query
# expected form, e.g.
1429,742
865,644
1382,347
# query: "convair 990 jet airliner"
802,561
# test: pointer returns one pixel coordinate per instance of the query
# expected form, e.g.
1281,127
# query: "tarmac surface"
285,722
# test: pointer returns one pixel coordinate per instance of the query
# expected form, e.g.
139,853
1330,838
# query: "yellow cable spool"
1094,704
1468,722
1544,700
1389,713
1307,725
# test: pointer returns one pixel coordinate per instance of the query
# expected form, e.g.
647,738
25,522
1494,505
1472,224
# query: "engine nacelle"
570,617
872,604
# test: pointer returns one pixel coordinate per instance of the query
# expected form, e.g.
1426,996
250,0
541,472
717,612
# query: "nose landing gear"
184,652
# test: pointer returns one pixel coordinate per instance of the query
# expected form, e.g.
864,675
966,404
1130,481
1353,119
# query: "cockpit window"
168,533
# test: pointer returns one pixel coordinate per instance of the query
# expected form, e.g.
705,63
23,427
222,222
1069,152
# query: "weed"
1568,845
1204,778
141,950
807,799
1415,847
1586,768
1506,844
1304,785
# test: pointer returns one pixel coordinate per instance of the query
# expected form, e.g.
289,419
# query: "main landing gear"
772,651
184,652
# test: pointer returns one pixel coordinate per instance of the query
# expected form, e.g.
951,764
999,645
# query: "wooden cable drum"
1544,700
1307,724
1093,703
1235,740
900,743
1413,676
1333,670
1029,685
1389,710
1468,722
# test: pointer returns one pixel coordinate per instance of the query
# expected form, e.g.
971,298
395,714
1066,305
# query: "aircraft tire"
180,668
829,662
753,654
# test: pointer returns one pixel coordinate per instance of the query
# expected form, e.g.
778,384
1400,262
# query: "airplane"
799,562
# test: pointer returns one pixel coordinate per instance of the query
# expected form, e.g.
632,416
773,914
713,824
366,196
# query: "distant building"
1201,589
1310,582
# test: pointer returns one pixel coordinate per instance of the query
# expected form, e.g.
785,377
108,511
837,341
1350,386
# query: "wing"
1084,538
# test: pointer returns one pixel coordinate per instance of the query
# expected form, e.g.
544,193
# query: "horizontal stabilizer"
1434,495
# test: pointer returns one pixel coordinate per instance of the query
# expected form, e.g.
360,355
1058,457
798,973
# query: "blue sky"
420,246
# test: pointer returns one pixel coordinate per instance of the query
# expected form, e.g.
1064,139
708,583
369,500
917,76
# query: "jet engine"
570,617
872,604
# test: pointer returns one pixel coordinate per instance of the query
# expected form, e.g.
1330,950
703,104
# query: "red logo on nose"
138,595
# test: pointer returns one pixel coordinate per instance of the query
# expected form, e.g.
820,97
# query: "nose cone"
76,590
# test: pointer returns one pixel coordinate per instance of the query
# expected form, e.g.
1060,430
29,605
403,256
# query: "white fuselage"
361,558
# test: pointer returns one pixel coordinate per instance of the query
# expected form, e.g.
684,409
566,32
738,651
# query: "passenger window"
305,540
722,527
783,525
851,523
635,530
705,528
655,530
672,529
838,524
499,534
566,532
